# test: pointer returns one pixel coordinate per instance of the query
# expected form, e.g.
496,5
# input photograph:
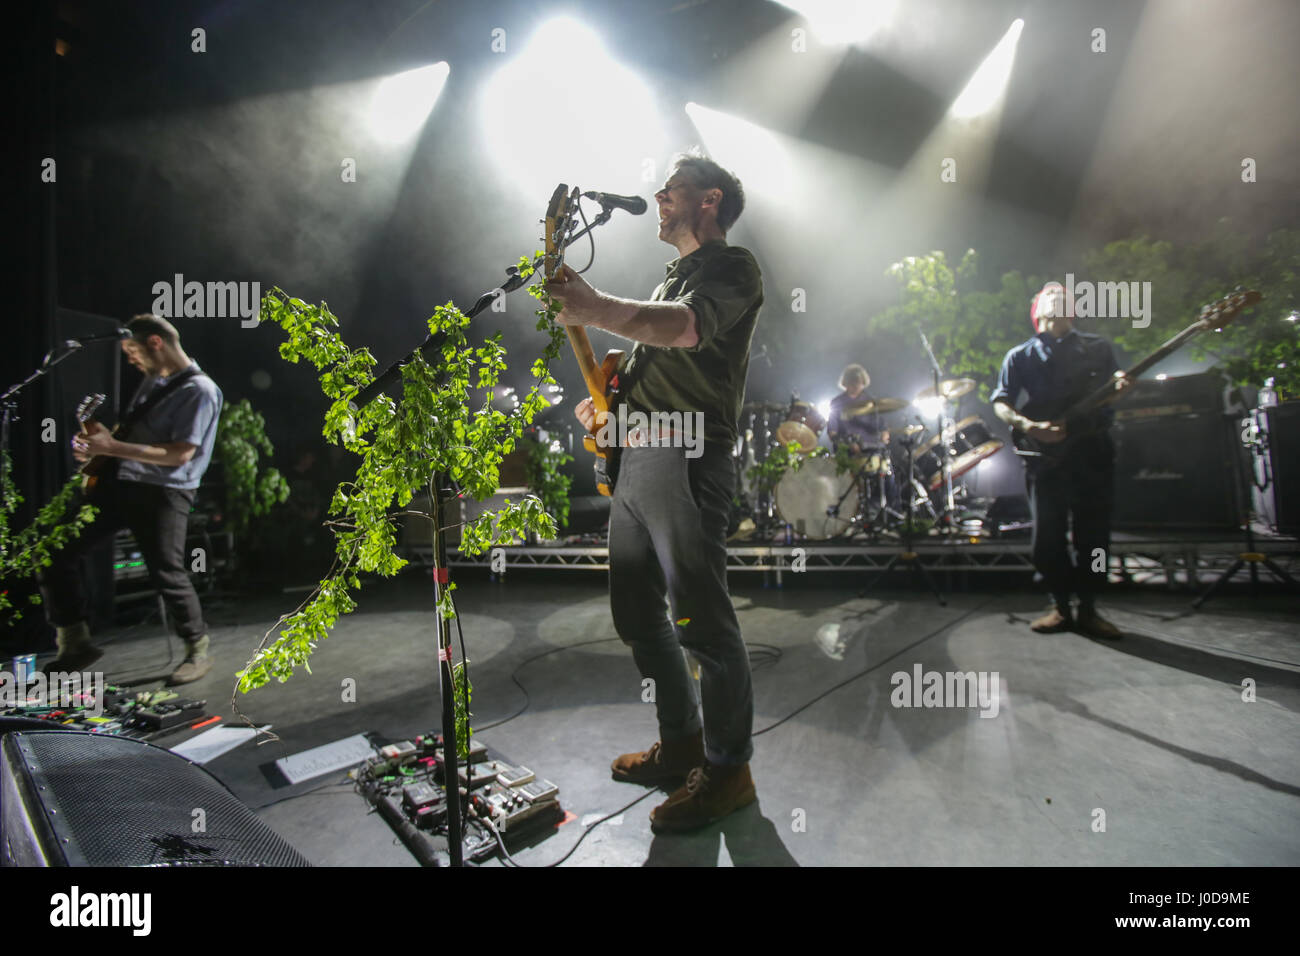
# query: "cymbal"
881,405
949,388
758,407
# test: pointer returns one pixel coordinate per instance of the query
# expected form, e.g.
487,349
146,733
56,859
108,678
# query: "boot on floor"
196,664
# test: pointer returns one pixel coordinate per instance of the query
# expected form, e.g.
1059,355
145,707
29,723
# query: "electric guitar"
559,222
1215,315
93,469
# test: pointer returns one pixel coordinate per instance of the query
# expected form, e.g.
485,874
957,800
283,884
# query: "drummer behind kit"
817,500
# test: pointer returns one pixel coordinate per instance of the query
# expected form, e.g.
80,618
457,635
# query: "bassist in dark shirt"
1070,476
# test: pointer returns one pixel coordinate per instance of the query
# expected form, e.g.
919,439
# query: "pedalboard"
500,800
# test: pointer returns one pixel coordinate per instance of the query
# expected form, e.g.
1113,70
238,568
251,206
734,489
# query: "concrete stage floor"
1152,731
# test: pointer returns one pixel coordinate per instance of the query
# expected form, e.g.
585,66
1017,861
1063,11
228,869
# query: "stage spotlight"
844,21
402,102
758,157
824,408
989,83
564,110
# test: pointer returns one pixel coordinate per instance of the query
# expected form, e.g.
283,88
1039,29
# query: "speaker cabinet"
1176,472
78,799
1279,503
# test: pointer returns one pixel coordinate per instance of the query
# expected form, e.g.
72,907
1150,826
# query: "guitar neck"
1106,393
591,372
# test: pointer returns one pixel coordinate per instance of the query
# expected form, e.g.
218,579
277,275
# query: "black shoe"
1094,625
73,659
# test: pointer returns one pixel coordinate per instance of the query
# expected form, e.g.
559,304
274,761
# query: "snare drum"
803,423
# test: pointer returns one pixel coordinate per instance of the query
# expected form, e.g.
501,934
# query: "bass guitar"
600,379
1215,315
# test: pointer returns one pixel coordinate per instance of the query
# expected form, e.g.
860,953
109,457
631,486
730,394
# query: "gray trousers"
668,590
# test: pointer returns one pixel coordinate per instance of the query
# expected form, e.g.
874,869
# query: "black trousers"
668,590
1072,504
158,517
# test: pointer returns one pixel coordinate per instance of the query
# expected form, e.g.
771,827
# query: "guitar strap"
138,412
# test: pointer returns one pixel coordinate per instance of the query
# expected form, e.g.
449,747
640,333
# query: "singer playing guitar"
668,516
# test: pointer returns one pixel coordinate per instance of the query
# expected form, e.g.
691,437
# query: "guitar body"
607,455
1044,456
1079,423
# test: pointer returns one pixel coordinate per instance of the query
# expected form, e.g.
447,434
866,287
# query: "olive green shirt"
722,285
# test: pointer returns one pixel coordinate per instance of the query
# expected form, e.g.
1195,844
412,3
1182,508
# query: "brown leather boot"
1053,622
665,760
710,793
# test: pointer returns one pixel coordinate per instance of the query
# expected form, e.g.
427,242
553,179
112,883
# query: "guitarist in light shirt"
668,516
1073,481
155,466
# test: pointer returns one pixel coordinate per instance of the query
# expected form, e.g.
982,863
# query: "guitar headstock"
559,223
89,405
1216,315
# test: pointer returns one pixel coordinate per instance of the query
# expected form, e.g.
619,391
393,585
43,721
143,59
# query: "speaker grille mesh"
119,802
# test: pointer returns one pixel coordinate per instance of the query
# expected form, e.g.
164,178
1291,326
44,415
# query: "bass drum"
813,499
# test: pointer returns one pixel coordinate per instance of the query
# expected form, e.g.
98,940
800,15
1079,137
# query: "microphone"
633,204
101,337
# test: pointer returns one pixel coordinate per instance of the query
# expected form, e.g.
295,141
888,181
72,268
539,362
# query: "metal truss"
1173,560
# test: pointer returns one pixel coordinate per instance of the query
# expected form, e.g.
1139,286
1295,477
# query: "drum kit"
876,490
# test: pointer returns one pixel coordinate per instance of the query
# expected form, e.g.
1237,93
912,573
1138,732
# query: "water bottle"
1267,394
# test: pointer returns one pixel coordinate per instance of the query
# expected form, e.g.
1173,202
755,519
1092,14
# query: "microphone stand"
944,422
9,400
907,555
430,347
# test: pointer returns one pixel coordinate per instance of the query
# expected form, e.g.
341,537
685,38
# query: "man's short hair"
706,174
146,324
854,375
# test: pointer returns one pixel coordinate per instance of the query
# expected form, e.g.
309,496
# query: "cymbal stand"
907,555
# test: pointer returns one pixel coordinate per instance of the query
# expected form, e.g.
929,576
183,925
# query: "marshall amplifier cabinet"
1173,457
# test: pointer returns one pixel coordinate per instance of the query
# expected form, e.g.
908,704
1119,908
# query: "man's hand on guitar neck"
668,324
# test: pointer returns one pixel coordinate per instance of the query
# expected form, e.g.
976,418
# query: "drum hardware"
971,436
906,554
754,447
